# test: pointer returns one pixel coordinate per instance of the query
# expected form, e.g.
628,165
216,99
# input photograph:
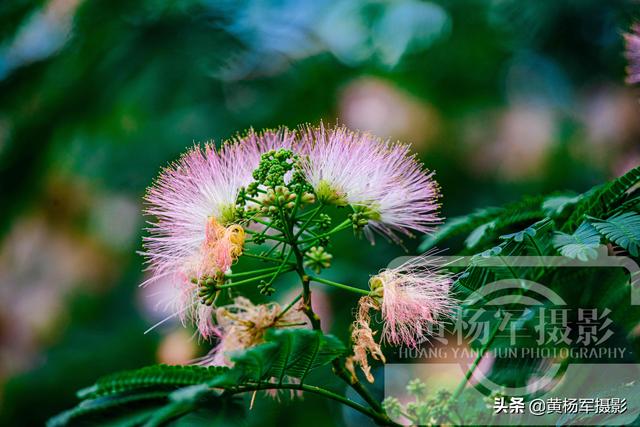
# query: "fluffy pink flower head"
412,298
632,53
388,186
194,202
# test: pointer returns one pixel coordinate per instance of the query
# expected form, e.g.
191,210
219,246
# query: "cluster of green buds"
439,409
208,287
266,287
324,222
279,185
317,258
281,198
361,216
392,407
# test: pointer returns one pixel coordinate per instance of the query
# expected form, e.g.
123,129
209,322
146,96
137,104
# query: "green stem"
338,366
377,411
262,257
273,249
265,223
306,214
252,279
306,298
379,418
279,270
256,201
270,237
249,273
354,383
296,205
289,306
307,222
339,285
475,363
343,225
262,233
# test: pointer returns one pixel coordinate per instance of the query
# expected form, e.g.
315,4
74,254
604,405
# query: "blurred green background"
501,97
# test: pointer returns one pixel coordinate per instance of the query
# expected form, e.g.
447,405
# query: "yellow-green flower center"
227,214
376,284
330,195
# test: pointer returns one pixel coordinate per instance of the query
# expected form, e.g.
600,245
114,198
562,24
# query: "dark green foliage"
568,212
486,224
459,225
575,226
156,395
602,199
623,229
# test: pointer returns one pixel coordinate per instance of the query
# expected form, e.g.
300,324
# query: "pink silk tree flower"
412,298
632,41
193,201
384,183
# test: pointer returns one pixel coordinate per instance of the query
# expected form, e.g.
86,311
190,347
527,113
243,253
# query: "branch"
379,418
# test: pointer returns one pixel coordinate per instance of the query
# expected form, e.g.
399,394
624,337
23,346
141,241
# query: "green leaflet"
623,229
286,353
459,225
479,234
601,199
156,376
582,244
558,204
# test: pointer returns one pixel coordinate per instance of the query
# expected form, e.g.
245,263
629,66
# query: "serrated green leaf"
623,229
156,376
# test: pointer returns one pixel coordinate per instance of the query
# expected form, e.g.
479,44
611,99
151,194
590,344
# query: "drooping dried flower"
243,324
364,343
